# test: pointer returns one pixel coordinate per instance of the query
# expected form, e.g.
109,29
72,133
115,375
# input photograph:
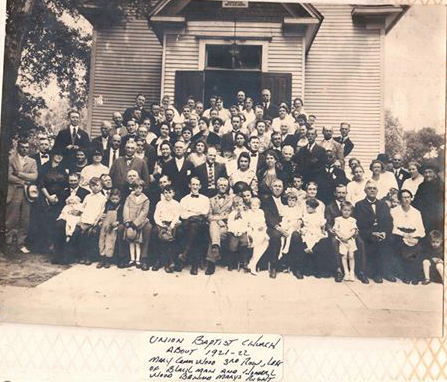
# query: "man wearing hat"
22,173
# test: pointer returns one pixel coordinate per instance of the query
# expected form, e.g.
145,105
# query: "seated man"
331,212
194,216
220,207
375,224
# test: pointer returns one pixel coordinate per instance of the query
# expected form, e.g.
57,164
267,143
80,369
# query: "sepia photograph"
224,166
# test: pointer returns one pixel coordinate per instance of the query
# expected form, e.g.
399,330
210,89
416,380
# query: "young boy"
345,228
297,187
195,210
237,230
86,231
434,256
167,218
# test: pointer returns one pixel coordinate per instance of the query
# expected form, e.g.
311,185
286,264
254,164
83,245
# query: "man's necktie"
211,177
73,136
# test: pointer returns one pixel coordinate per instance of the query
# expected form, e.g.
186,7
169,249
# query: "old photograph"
224,166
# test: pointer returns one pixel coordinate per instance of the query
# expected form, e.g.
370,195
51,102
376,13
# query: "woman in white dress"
243,172
412,184
356,188
248,111
385,180
285,117
94,170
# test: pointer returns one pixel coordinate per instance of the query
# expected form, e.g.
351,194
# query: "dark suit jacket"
64,139
272,217
330,213
81,193
291,140
402,176
124,141
272,111
202,173
118,171
211,140
311,164
180,179
227,141
36,157
327,185
347,145
365,216
127,115
96,143
106,156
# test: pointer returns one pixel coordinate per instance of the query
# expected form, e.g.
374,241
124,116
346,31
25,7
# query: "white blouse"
356,191
412,184
411,219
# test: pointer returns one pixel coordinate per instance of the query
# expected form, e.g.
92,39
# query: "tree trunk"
17,26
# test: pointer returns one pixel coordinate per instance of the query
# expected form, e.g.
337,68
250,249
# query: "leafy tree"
394,142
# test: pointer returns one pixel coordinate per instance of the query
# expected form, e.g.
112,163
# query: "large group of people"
252,188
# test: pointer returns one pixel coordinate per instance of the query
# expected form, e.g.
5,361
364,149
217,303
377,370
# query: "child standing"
167,218
291,219
86,231
345,228
237,230
434,255
257,232
107,236
71,214
135,211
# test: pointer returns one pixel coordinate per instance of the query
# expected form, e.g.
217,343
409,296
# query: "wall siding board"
343,79
128,62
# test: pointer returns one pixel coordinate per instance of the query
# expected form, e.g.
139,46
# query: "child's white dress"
290,222
257,231
344,227
313,229
72,215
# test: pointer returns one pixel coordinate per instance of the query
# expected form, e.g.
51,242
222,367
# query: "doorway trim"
204,42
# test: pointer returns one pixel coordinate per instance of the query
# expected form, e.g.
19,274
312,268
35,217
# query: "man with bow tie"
375,225
131,126
257,160
43,155
240,100
72,138
140,100
344,139
400,173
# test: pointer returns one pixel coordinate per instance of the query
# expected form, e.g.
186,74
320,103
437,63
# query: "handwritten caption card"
212,357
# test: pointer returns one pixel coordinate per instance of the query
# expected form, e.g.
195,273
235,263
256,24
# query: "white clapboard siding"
127,62
343,80
285,53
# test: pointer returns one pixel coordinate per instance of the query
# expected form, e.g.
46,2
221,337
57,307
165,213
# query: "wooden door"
188,83
280,85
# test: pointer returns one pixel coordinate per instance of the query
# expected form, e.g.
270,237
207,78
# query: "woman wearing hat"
52,182
94,170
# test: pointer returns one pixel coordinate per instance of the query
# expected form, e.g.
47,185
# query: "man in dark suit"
43,155
140,99
311,160
113,152
400,173
375,224
61,253
344,139
179,171
333,177
257,159
72,138
227,141
131,127
209,172
104,141
240,100
332,211
270,110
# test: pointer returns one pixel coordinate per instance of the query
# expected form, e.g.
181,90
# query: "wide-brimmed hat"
31,192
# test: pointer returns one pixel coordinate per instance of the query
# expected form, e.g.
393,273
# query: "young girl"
135,213
167,218
434,256
107,236
71,213
291,219
257,232
345,228
312,230
237,231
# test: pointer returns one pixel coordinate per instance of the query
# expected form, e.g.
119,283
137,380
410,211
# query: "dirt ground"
30,270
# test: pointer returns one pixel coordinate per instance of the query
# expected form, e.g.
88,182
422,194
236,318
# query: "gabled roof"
174,14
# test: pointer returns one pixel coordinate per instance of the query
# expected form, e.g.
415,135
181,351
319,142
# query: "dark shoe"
144,266
194,270
272,273
178,267
100,264
122,264
406,281
338,277
362,277
156,267
298,275
414,282
378,280
88,262
215,251
210,269
169,270
106,264
138,265
392,279
426,282
230,267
